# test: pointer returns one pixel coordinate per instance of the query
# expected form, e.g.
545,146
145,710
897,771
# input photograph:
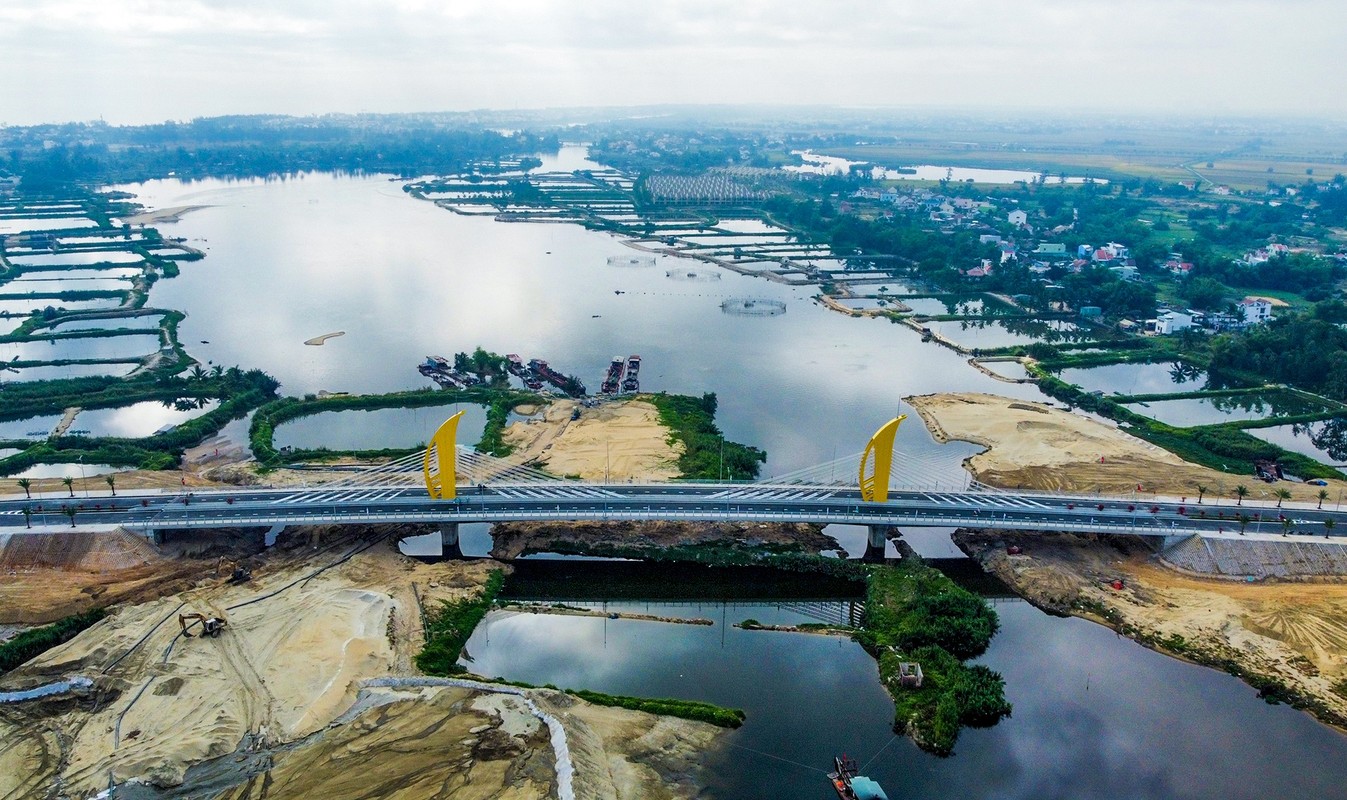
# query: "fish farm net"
631,261
753,307
692,275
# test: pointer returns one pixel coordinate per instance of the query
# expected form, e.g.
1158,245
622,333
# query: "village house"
1256,310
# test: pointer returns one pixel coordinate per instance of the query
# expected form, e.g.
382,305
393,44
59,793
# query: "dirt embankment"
44,577
1035,446
254,709
513,539
615,441
1294,633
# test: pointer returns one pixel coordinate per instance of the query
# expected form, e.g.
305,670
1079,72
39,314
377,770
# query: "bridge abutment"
449,540
876,542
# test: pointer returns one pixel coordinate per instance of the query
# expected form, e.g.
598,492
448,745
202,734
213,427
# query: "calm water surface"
1095,715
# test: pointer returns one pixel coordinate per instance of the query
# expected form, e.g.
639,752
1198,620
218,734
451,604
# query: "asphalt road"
687,501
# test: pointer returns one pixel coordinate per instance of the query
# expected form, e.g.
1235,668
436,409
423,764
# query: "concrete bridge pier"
449,540
874,545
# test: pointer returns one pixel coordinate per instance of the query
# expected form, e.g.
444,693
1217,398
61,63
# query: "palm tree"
28,516
1241,491
27,486
69,511
1244,520
1201,490
1286,525
1323,495
1328,527
112,484
69,484
198,372
1282,494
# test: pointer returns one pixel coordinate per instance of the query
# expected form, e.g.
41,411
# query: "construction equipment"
210,626
239,573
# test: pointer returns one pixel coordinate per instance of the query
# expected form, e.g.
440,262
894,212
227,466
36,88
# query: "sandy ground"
161,215
267,692
617,440
1034,446
1296,632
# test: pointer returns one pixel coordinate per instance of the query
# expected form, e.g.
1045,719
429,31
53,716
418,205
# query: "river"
289,260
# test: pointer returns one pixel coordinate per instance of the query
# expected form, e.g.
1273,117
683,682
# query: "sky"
138,61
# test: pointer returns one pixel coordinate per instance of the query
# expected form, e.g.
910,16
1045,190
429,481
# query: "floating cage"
631,261
753,307
692,274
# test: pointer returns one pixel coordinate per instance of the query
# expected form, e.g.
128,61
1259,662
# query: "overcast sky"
131,61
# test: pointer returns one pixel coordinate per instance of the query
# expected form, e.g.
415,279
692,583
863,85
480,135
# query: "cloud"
153,59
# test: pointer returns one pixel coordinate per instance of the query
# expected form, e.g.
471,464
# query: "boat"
613,380
569,386
632,382
849,785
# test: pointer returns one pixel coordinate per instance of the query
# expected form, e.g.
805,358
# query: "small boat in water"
849,785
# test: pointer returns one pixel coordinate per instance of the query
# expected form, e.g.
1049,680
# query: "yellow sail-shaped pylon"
441,461
875,486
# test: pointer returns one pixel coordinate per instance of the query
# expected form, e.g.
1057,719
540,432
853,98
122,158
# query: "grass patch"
915,613
706,453
687,709
32,643
449,627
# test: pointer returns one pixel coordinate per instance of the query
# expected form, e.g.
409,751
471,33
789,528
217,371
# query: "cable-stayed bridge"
447,485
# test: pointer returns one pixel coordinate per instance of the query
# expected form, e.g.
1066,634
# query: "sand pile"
619,440
1034,446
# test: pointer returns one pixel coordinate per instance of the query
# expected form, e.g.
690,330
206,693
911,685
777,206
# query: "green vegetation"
915,613
238,392
1222,447
449,627
706,453
32,643
687,709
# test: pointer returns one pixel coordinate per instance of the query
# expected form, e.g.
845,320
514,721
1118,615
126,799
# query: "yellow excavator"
210,626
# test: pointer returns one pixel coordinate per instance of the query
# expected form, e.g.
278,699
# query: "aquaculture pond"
81,348
990,333
27,305
19,225
1323,441
358,429
29,428
139,419
78,257
56,371
80,472
1157,378
1213,410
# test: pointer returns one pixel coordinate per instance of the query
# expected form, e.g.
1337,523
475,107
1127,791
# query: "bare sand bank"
1035,446
617,440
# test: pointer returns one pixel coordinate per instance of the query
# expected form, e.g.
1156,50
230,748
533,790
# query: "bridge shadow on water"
554,579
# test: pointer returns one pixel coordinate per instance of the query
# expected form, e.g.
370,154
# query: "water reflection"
1095,714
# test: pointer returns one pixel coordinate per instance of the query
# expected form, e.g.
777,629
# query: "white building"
1172,322
1017,217
1256,310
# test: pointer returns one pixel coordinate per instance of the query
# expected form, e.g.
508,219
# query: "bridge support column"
155,535
449,540
874,545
